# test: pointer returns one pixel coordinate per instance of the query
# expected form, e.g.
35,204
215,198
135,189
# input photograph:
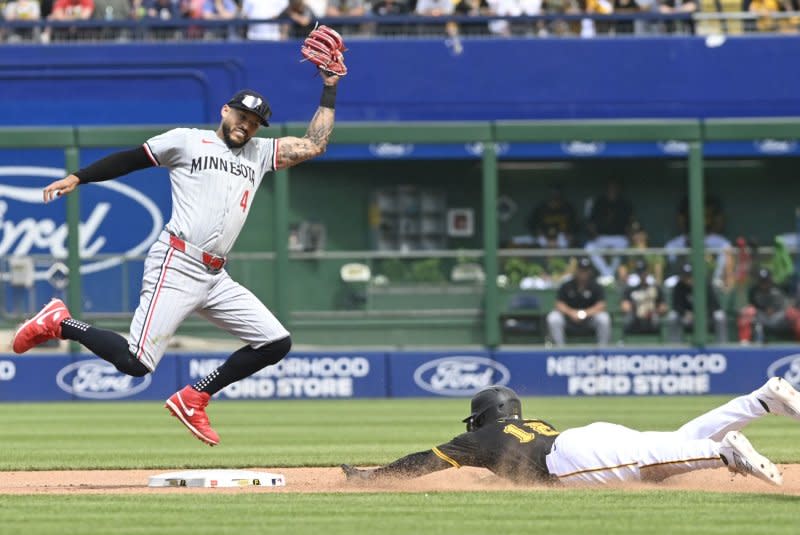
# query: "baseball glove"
323,47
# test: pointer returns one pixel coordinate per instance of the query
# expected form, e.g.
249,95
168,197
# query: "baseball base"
217,479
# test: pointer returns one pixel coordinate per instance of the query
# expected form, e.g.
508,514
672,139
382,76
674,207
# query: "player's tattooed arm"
293,150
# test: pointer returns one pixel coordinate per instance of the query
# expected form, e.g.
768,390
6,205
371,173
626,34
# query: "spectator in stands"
626,7
19,11
72,10
299,20
598,7
681,317
263,9
511,9
638,240
390,8
580,305
769,311
437,8
677,7
558,27
718,258
643,302
69,10
220,10
46,8
766,22
473,8
193,9
714,217
610,217
160,10
318,7
345,8
555,213
110,10
714,224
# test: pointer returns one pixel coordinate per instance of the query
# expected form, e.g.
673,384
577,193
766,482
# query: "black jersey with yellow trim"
511,448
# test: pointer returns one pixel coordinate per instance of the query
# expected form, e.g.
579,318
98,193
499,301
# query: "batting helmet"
492,404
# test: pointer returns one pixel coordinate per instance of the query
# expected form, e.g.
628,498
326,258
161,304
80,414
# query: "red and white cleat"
44,326
189,406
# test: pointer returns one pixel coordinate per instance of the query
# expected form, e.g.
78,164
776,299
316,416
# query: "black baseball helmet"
252,101
491,404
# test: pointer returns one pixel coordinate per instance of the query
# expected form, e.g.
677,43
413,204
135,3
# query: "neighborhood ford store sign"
396,374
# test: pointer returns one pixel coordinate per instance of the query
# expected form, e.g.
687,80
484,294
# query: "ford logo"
787,367
674,147
460,376
476,149
583,148
775,146
7,370
33,230
92,379
391,150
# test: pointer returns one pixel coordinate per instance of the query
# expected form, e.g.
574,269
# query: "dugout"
319,217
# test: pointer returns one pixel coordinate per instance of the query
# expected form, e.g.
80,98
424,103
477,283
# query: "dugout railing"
692,132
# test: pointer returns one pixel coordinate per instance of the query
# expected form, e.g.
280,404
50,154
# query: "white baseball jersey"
213,187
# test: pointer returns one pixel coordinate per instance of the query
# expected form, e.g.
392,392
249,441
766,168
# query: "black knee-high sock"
107,345
244,363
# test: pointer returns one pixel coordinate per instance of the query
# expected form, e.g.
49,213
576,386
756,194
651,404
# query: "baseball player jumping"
214,176
530,451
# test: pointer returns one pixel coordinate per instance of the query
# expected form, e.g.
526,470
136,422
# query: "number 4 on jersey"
243,204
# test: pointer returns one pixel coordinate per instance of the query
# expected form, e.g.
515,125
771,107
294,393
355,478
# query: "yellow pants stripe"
595,470
446,458
683,461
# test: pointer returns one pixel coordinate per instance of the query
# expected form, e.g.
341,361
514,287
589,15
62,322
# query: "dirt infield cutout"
316,480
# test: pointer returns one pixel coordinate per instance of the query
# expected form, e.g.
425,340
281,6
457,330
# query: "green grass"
558,512
309,433
325,433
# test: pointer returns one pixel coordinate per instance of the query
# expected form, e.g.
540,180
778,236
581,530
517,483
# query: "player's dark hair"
491,404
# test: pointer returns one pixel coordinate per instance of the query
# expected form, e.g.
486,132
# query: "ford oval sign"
460,375
93,379
787,367
28,227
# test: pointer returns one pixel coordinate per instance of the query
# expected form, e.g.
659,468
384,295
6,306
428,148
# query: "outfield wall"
402,80
379,374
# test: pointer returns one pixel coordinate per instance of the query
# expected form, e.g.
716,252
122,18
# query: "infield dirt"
316,480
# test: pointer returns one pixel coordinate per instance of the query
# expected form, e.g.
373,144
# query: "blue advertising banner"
63,377
355,374
299,375
92,378
119,217
665,371
32,378
567,150
443,373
